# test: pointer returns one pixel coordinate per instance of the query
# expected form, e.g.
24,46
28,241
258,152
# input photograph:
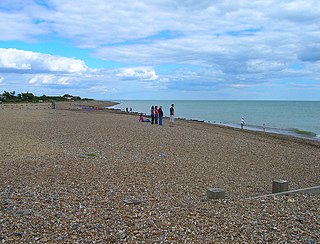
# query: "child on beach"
242,123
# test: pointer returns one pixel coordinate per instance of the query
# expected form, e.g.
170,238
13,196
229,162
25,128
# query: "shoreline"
108,106
250,129
281,117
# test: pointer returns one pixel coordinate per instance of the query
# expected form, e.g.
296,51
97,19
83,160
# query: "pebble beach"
75,175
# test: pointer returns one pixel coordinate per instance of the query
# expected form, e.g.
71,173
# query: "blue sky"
161,49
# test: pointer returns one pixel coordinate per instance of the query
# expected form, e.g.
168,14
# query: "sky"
162,49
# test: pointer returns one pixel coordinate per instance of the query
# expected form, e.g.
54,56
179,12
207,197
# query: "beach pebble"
22,212
132,200
122,234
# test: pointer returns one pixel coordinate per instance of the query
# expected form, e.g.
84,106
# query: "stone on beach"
215,193
132,200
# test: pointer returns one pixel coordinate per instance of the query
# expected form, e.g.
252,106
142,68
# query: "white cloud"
228,42
102,89
176,31
257,65
119,21
239,86
37,62
18,26
1,79
138,73
49,80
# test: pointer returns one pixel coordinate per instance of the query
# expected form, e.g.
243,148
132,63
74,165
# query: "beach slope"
79,175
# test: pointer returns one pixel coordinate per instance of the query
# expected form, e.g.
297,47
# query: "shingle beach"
74,175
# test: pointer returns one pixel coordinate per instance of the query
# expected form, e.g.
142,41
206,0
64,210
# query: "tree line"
11,96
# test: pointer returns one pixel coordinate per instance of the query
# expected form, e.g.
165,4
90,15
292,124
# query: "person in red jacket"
156,114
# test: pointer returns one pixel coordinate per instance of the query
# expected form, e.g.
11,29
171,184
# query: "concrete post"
279,185
215,193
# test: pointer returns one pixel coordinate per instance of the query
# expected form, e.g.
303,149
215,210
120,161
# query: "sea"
295,118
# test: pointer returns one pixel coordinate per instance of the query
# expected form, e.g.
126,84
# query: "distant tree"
8,95
76,98
27,96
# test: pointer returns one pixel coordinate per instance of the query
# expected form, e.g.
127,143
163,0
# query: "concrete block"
215,193
279,185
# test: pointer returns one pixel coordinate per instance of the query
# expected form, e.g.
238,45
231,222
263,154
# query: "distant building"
68,97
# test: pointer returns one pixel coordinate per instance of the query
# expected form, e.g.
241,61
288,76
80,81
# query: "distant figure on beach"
127,110
141,119
130,110
242,123
160,115
152,114
264,127
156,114
171,115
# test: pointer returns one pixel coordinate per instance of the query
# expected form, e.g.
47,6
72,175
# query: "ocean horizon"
295,118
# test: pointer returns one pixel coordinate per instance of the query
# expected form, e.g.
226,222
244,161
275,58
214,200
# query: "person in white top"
171,115
242,123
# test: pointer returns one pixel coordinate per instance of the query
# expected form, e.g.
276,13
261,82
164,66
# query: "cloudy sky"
162,49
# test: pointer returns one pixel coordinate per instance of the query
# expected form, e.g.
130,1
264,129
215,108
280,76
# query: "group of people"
157,115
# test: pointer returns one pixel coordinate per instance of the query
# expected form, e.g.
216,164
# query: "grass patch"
88,155
303,132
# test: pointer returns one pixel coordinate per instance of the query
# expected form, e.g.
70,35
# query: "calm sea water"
297,118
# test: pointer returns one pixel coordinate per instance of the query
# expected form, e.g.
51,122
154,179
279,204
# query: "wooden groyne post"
279,185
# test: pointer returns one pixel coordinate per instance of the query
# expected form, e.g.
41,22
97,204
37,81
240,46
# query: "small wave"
304,132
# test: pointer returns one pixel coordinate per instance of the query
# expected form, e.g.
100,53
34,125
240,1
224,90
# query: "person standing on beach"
160,115
156,114
171,115
242,123
152,114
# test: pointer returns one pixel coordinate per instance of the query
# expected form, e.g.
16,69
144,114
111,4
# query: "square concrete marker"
279,185
215,193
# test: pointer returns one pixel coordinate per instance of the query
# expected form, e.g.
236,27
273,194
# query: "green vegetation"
88,155
11,97
303,132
